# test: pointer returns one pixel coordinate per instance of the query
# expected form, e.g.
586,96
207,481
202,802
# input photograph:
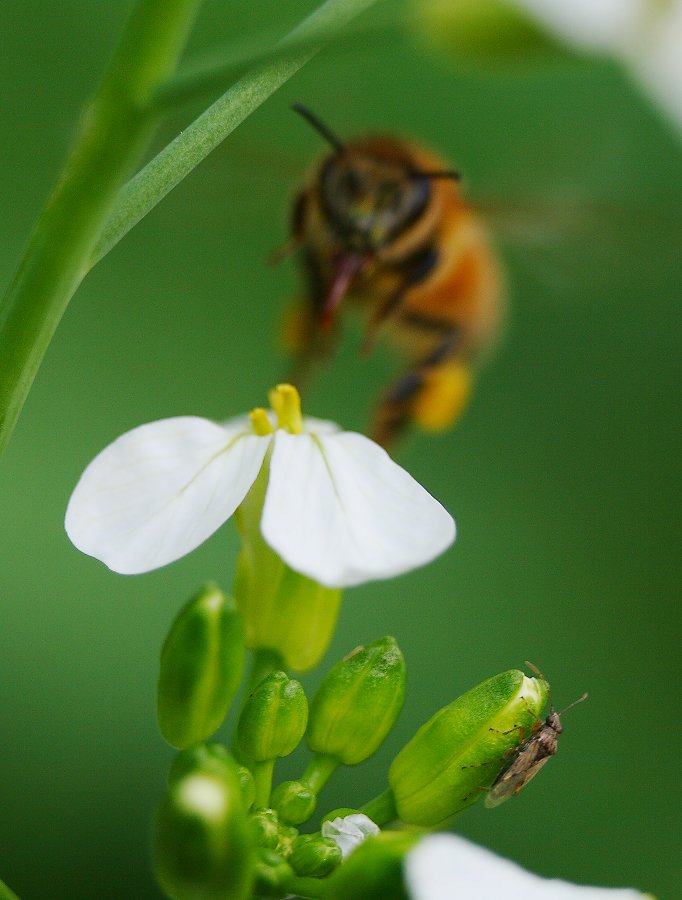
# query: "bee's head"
370,190
369,201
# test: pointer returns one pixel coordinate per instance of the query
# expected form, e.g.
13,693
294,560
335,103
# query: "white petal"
348,832
319,426
339,510
160,490
605,25
443,866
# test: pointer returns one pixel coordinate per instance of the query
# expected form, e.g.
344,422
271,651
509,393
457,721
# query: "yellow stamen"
260,421
286,404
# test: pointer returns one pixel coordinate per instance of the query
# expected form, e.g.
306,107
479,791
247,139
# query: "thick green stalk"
113,133
5,893
195,142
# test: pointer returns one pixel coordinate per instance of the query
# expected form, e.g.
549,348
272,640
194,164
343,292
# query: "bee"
531,755
381,225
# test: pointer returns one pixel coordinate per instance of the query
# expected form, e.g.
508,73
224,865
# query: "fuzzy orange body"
382,227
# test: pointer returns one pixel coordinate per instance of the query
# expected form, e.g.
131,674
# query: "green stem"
320,769
310,888
5,893
265,662
381,809
262,776
195,142
113,133
208,72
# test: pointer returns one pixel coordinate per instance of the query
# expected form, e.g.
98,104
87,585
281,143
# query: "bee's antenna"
446,173
319,126
585,696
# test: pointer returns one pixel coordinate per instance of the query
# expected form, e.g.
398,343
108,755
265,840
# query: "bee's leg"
306,340
297,238
418,269
432,393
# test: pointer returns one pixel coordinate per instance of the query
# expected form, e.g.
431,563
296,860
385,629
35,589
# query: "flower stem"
6,894
195,142
320,769
309,888
113,133
381,809
262,776
264,663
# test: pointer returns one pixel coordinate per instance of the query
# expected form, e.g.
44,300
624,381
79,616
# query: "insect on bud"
273,719
294,801
358,702
201,667
315,857
203,845
459,753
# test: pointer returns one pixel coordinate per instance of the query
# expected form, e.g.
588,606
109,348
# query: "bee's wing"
562,243
525,766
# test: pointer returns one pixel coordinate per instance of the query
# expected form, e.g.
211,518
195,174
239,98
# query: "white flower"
645,35
336,509
443,866
348,832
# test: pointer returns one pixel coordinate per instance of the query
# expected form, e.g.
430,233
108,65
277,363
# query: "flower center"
286,404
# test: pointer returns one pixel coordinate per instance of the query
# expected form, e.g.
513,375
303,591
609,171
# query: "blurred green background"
562,475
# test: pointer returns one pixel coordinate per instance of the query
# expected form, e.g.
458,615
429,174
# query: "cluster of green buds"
223,831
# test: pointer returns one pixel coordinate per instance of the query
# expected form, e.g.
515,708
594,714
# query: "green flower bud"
247,785
464,747
358,702
203,845
201,667
287,836
484,32
294,801
265,826
208,757
374,871
273,874
273,719
315,858
282,610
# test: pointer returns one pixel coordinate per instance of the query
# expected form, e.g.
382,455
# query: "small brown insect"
381,224
531,755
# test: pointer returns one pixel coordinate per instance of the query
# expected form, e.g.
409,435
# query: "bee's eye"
351,184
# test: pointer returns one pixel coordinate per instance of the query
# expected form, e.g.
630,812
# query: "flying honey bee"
381,224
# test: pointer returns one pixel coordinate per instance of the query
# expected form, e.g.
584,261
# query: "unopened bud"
201,667
273,719
358,702
265,825
294,801
374,871
315,857
247,785
463,748
203,845
273,873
